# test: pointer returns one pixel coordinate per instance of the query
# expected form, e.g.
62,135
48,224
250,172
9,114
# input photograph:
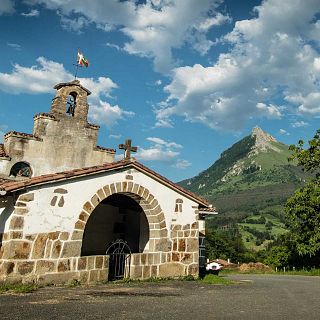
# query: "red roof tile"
11,186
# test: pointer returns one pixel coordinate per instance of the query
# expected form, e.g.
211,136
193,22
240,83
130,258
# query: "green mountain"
249,184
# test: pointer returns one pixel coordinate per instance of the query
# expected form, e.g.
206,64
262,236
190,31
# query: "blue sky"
183,79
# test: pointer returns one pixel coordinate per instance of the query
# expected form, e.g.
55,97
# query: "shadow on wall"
6,209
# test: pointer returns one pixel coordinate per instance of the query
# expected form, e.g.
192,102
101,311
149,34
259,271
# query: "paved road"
254,297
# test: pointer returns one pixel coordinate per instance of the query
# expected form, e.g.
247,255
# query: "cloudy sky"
184,79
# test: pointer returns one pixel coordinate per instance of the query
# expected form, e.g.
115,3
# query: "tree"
302,210
308,158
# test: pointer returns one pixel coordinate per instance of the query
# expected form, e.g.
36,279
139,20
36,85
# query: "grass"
216,280
17,288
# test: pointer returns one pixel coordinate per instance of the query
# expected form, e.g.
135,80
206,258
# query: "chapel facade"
67,208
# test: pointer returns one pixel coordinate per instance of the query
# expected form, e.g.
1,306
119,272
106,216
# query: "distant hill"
249,184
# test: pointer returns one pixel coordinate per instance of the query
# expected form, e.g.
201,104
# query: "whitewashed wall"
42,217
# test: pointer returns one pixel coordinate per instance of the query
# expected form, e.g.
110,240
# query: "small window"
178,206
71,103
21,169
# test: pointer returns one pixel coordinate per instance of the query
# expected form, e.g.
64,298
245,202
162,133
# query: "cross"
127,149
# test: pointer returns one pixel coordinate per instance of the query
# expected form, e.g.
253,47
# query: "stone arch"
158,237
71,103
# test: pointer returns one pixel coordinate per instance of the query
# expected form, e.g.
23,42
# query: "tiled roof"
11,186
22,134
106,149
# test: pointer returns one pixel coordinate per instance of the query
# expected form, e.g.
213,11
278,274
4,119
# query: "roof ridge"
12,186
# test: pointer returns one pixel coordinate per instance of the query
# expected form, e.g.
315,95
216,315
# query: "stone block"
192,245
101,194
99,262
145,194
135,188
16,234
130,186
171,270
26,197
113,188
6,267
93,276
25,267
163,257
135,259
195,225
153,203
193,270
64,265
16,250
16,223
53,235
83,216
88,207
118,187
156,257
186,227
154,271
182,245
91,262
187,258
163,245
44,266
175,244
77,235
82,263
146,272
143,259
150,258
140,190
107,190
20,211
80,225
175,256
84,276
64,236
56,249
47,251
39,246
95,200
136,272
71,249
162,224
102,275
58,278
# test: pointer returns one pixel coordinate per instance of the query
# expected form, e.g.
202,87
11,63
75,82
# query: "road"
253,297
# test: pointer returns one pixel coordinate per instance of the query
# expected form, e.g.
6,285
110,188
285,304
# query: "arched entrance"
119,216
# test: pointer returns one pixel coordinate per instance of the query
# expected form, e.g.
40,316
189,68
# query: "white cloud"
6,7
42,77
284,132
114,46
158,83
154,27
14,46
31,13
115,136
269,111
3,127
299,124
159,150
273,56
182,164
104,113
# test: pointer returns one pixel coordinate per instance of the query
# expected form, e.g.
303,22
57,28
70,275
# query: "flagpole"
77,67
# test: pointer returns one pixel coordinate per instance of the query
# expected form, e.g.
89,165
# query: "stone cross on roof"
128,149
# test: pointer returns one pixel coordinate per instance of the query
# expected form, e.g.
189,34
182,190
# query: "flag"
82,61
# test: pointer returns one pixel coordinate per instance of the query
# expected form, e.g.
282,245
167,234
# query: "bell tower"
70,101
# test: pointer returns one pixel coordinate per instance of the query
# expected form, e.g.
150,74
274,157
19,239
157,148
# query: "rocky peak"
263,140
